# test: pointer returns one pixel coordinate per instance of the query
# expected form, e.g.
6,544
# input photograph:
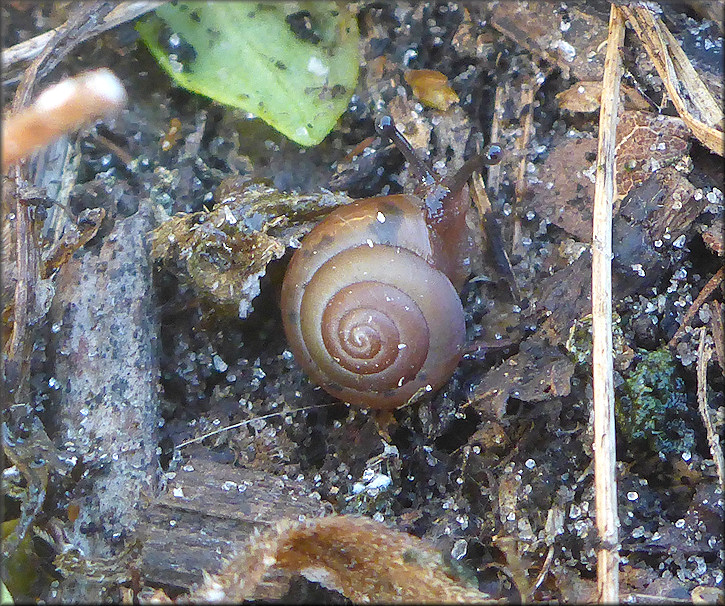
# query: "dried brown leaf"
646,143
564,192
432,88
585,97
465,39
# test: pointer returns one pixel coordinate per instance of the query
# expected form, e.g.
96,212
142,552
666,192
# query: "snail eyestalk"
491,156
386,128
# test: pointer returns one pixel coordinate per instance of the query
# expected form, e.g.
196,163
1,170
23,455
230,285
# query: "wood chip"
208,512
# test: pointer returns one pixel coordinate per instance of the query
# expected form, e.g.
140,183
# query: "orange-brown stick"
60,109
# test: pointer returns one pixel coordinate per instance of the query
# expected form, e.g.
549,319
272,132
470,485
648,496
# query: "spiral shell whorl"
412,341
375,329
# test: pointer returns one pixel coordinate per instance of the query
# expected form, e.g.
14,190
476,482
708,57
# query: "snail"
370,302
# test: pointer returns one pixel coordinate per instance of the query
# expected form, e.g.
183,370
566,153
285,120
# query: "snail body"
370,301
358,307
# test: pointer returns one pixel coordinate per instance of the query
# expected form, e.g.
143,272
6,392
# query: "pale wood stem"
603,375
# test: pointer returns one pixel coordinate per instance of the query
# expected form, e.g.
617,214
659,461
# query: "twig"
60,109
706,291
58,46
493,232
527,102
544,571
29,49
117,150
248,421
26,255
485,210
605,480
718,333
713,440
494,171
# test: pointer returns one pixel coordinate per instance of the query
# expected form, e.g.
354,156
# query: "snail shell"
367,308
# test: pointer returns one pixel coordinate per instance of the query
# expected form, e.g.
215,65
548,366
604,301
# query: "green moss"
20,569
367,503
579,343
651,404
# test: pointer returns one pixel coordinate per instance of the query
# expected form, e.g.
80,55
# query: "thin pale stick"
706,291
248,421
523,145
692,99
29,49
713,439
544,571
718,333
605,479
60,109
494,172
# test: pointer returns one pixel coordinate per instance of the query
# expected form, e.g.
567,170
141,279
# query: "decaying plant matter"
363,560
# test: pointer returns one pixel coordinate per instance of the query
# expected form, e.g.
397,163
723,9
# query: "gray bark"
107,368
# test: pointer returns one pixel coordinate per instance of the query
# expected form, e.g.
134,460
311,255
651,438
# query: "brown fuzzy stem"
60,109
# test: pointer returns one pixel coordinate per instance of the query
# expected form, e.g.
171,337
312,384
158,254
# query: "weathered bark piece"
106,367
651,219
567,294
208,512
573,41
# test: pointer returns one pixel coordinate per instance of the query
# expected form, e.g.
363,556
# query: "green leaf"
5,597
293,64
21,570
